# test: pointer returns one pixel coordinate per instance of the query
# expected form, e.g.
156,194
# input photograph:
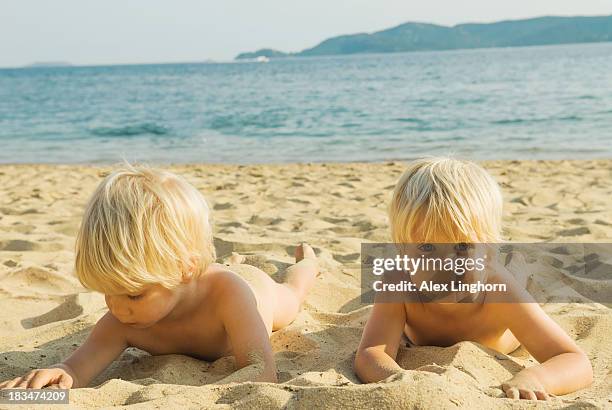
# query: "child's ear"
186,276
190,269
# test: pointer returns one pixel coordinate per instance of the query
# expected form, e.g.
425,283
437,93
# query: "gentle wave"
513,121
130,130
410,120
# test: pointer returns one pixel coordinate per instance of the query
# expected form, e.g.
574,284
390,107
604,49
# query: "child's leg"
290,294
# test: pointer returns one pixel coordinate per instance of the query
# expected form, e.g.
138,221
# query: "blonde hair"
143,226
446,200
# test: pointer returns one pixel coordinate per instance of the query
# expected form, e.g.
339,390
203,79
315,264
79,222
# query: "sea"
545,102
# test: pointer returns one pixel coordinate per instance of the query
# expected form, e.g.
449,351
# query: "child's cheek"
156,308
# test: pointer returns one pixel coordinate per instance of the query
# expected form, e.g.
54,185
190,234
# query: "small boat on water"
262,59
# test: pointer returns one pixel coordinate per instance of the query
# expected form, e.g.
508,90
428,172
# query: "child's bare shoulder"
238,275
220,277
223,285
227,293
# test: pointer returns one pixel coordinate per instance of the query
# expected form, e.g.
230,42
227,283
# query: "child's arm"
105,342
563,367
376,354
247,333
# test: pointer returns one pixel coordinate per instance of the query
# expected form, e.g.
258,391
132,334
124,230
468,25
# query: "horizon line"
68,64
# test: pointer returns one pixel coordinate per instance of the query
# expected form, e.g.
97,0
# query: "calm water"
537,102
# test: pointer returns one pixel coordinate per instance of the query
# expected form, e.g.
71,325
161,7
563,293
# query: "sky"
93,32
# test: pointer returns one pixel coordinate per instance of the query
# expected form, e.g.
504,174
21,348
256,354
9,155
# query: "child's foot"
304,251
299,280
300,277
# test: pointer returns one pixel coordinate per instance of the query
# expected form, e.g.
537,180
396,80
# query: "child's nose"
451,254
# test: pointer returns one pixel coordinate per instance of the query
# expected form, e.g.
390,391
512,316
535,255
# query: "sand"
262,212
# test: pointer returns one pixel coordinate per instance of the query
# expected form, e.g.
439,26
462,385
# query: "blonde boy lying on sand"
440,202
146,243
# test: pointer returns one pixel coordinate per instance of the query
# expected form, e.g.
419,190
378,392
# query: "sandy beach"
263,211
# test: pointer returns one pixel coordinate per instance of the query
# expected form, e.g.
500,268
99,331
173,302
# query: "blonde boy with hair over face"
453,204
146,243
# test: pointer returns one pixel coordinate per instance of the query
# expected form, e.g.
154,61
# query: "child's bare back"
216,298
251,301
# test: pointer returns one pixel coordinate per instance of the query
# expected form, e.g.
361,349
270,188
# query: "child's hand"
39,378
524,386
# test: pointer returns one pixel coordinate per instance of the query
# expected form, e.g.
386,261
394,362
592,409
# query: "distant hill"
423,36
264,52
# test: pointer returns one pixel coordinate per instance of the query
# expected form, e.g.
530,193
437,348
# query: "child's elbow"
585,368
360,365
271,377
588,369
268,375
